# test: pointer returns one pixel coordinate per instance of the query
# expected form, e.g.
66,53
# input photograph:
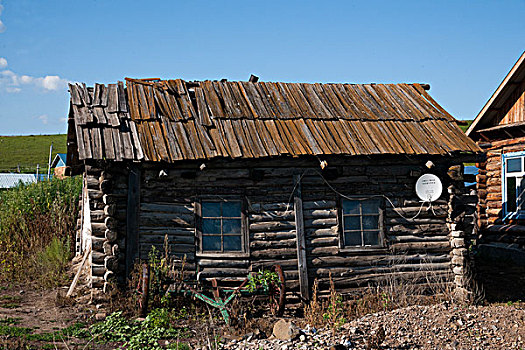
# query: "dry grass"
392,293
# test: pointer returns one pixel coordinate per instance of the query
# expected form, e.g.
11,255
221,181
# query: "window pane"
370,206
232,243
352,223
353,238
211,243
521,194
350,207
211,226
211,209
231,226
231,209
511,194
514,165
371,237
370,222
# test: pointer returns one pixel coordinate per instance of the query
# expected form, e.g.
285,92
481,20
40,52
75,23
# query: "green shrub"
37,223
140,334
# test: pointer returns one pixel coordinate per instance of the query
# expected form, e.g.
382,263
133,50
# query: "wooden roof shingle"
173,120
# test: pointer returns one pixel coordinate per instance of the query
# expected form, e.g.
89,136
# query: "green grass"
465,127
28,151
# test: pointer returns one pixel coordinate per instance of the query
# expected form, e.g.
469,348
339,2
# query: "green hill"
25,152
465,127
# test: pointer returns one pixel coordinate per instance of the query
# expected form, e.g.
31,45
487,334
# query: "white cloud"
43,118
2,25
51,82
12,82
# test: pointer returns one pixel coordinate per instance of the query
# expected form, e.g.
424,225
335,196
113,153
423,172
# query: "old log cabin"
241,175
499,129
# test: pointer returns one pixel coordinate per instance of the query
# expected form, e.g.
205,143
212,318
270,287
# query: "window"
513,185
221,226
362,223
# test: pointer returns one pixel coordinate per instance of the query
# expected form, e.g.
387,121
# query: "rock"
100,316
285,330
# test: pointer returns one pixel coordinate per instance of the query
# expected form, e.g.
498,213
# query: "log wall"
430,246
501,245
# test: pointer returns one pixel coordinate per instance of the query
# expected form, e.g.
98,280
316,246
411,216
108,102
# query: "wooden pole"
301,240
132,239
75,280
49,161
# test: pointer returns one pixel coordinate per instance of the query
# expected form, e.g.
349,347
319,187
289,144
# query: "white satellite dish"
428,187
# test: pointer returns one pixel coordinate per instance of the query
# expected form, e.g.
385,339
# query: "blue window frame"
513,185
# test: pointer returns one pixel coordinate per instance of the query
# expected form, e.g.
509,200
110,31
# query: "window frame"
518,175
244,252
381,225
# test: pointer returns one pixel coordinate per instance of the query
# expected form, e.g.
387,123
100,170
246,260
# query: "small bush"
145,334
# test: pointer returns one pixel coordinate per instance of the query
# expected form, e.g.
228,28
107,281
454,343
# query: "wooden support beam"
301,240
132,217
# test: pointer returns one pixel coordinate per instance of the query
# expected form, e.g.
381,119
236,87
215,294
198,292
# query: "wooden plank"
189,126
96,143
270,108
124,140
254,99
228,134
175,151
213,99
182,139
276,137
121,94
75,95
112,98
132,217
109,150
252,136
100,115
204,115
137,146
301,240
265,136
244,143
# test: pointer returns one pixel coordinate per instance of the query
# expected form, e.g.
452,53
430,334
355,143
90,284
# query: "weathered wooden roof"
171,120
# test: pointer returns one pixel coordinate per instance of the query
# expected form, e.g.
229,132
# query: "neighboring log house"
499,129
243,175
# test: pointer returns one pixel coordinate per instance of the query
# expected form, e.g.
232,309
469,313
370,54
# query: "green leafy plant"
145,334
262,279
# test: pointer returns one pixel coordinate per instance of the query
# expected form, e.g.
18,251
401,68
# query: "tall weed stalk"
37,223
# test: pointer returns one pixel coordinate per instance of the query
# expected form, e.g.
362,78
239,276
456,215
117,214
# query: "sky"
463,49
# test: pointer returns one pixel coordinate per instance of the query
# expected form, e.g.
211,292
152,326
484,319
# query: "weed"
36,221
334,314
10,321
262,279
315,309
139,334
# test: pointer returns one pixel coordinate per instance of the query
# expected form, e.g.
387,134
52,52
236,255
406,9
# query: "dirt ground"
441,326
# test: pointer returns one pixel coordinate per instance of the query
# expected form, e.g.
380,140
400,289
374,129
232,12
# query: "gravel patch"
441,326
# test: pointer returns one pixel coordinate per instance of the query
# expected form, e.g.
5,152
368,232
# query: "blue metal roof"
59,161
